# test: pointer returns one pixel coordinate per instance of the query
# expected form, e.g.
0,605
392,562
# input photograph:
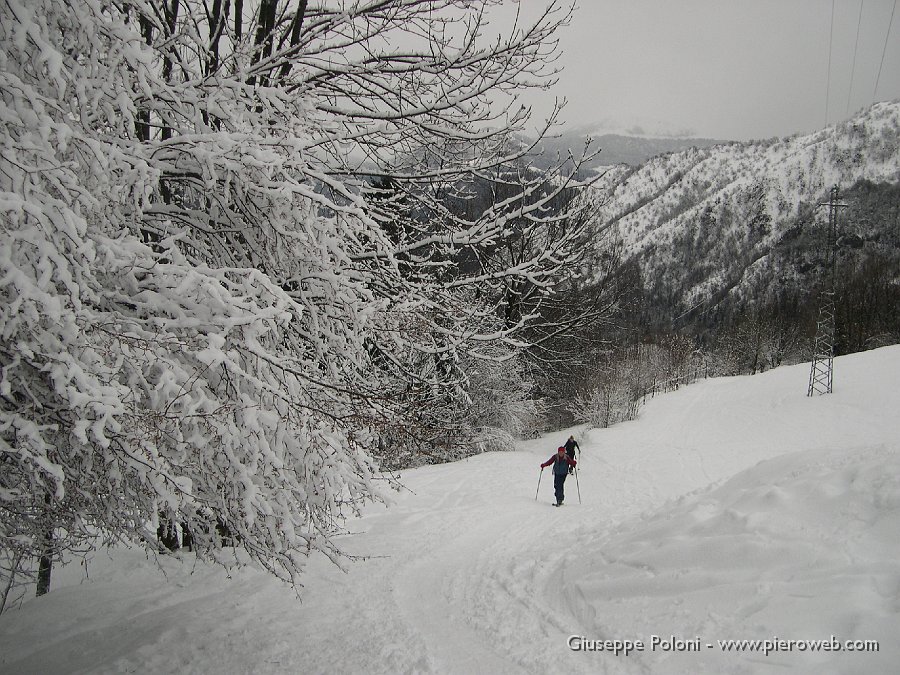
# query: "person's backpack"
557,461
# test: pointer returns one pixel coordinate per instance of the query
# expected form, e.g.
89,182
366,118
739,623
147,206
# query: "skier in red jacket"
561,463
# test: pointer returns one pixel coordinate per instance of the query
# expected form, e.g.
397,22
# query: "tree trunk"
167,533
45,564
187,539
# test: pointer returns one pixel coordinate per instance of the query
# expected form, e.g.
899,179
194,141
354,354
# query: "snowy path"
467,574
684,529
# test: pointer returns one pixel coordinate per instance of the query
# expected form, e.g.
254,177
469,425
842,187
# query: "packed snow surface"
732,509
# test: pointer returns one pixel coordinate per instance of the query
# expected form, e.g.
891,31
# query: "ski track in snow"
467,573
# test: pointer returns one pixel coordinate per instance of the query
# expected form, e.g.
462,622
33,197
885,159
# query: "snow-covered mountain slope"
732,509
704,222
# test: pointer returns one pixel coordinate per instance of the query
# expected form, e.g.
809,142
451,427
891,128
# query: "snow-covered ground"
733,509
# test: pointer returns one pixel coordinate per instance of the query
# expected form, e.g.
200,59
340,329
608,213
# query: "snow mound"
800,547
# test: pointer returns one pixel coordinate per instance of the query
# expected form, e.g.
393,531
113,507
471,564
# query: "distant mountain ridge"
617,148
741,220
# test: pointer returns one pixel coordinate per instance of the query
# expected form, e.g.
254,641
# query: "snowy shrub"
620,381
487,405
16,575
503,408
607,404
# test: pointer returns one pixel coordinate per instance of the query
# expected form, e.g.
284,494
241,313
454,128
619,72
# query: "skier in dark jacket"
561,463
570,446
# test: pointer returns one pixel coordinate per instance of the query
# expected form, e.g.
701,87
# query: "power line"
883,51
855,47
828,81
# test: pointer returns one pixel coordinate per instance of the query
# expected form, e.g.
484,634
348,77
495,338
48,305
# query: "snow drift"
735,509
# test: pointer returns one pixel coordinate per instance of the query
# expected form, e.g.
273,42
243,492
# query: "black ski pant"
559,480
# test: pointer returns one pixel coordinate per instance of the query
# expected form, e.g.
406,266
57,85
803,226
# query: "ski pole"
539,484
577,485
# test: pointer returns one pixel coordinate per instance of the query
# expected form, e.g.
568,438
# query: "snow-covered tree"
203,315
621,379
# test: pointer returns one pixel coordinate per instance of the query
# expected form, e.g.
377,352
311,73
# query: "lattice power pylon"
821,374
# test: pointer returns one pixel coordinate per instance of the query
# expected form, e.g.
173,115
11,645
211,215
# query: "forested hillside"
715,257
734,228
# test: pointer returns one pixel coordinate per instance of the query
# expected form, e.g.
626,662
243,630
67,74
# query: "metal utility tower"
821,373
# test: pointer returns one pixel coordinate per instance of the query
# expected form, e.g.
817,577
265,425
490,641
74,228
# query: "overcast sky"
725,69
